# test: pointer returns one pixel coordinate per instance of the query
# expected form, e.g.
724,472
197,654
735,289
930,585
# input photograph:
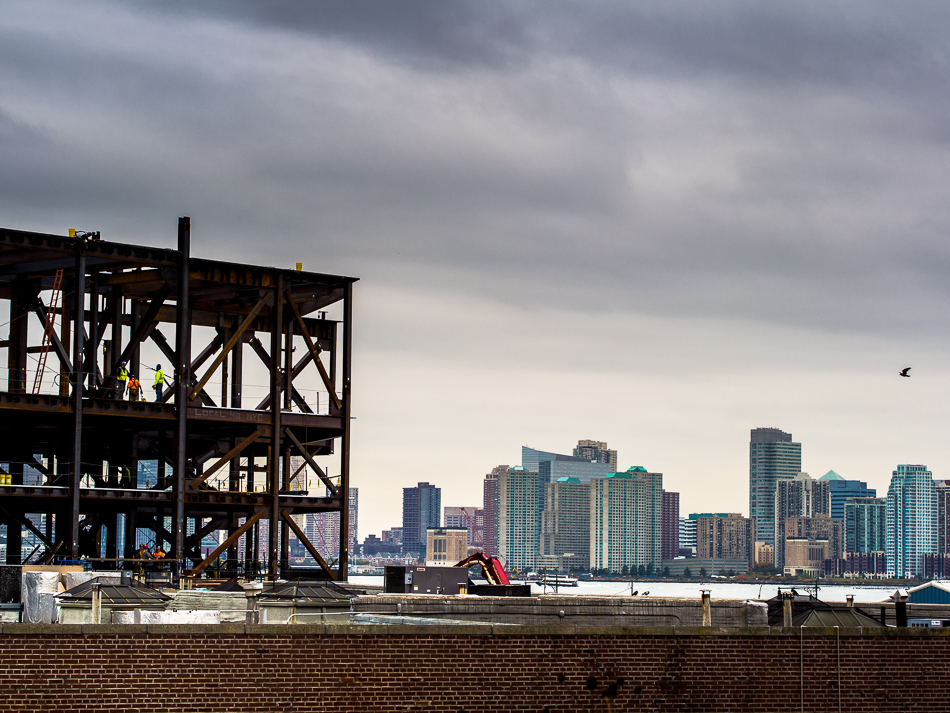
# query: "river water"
719,589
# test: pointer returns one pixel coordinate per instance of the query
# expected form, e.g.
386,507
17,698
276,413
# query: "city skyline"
700,499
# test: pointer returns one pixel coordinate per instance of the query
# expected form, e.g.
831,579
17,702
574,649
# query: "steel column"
345,446
79,319
273,461
183,378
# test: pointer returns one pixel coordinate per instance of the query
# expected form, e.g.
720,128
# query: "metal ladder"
48,330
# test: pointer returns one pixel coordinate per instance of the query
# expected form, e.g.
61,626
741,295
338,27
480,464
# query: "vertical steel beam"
65,378
19,331
92,346
273,461
135,363
224,333
284,529
79,319
237,372
117,310
183,379
288,364
345,446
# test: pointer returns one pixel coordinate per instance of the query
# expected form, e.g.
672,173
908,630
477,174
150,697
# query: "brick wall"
474,668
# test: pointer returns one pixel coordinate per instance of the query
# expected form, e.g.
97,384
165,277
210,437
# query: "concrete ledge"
626,630
120,629
43,629
473,629
192,629
465,629
522,630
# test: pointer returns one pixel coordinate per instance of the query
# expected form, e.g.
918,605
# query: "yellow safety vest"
159,377
123,374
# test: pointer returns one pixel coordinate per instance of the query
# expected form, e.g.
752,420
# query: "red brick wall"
281,673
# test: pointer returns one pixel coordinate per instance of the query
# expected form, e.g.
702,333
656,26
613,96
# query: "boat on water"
555,580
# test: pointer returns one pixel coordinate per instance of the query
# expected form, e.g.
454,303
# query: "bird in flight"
904,372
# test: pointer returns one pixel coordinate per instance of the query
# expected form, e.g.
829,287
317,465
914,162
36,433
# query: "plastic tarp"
176,617
74,579
38,593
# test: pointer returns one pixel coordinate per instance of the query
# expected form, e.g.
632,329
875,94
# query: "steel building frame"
81,437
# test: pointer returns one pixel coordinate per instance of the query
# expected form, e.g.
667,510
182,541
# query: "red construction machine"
491,567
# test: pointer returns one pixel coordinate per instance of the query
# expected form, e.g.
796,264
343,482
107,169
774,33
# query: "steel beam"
182,373
274,452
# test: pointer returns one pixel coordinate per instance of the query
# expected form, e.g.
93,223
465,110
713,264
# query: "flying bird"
904,372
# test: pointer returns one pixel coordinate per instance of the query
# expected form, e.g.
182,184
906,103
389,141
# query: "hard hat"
158,366
123,363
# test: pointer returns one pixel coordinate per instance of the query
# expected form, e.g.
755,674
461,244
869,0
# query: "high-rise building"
466,518
842,489
688,536
565,526
421,509
816,538
943,516
354,518
911,520
518,520
490,508
865,525
802,496
626,514
445,546
531,458
688,530
670,547
571,467
596,451
772,457
729,537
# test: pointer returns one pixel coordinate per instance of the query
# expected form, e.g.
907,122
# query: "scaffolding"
70,453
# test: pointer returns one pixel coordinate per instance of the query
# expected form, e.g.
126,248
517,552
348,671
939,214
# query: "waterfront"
719,589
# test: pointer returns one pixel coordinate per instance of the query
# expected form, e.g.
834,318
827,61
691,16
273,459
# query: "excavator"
492,568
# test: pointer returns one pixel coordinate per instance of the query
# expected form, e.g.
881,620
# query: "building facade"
911,520
802,496
943,514
670,547
445,546
626,513
725,538
865,525
518,519
421,509
809,535
773,457
842,489
596,451
490,510
565,526
470,518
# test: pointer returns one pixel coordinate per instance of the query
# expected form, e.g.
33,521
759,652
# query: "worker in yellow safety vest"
121,379
159,382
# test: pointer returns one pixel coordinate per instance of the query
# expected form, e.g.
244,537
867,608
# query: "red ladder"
48,330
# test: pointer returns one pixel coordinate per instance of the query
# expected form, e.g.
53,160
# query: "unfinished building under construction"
229,460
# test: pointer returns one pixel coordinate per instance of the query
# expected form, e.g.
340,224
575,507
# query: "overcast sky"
659,224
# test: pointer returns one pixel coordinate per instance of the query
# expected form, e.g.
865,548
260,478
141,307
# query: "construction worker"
135,389
159,382
125,481
121,379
